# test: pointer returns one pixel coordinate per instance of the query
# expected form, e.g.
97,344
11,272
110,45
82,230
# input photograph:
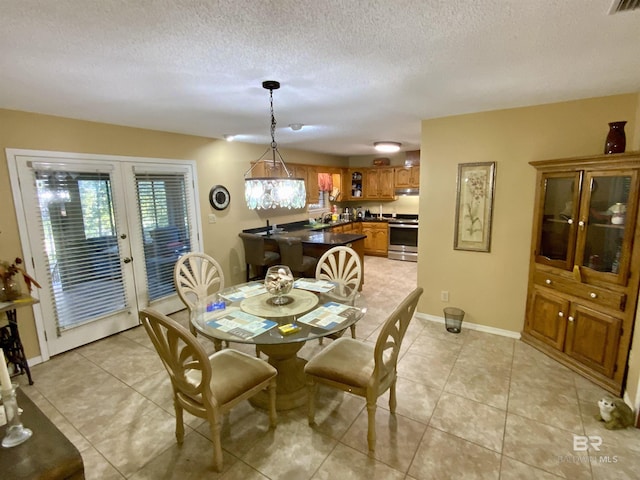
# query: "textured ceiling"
353,72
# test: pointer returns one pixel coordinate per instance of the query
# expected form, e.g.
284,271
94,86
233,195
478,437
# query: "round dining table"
248,314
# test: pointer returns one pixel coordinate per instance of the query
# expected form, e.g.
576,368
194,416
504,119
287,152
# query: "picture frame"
474,206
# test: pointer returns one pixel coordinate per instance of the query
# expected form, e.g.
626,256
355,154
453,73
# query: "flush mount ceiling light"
279,189
229,138
387,147
296,126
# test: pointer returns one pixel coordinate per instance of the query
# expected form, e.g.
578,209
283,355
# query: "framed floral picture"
474,206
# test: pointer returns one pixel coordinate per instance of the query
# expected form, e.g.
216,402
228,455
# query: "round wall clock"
219,197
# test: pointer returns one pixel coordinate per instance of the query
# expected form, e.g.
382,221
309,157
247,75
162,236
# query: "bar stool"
293,257
256,255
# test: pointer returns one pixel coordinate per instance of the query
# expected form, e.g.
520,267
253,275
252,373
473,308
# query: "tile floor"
471,405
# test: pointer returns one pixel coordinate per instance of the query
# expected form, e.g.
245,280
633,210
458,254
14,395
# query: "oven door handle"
402,225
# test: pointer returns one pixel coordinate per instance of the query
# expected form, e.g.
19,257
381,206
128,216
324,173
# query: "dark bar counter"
315,241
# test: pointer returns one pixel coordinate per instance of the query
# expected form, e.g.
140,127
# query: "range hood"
407,191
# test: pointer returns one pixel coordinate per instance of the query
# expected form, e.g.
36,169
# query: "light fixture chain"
273,122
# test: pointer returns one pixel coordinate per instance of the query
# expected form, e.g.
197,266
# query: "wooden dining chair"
207,386
362,368
197,276
342,266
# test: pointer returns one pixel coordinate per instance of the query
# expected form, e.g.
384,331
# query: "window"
163,210
322,206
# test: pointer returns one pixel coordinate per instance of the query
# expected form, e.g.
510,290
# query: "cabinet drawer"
597,295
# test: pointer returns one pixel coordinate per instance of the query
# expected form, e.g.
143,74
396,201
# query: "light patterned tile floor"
471,405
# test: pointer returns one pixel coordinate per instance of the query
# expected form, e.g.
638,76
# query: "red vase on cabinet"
616,139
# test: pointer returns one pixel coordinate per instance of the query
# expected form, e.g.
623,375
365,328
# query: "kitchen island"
315,242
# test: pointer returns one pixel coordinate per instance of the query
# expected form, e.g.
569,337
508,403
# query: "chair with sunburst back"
342,266
207,386
197,276
362,368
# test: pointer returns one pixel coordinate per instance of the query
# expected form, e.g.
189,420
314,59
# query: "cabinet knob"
593,295
548,281
570,221
570,318
581,223
560,314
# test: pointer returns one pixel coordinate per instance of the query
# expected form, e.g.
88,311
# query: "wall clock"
219,197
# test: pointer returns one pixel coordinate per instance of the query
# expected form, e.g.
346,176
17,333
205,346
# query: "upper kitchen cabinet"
378,183
353,184
407,177
582,290
313,189
310,176
266,168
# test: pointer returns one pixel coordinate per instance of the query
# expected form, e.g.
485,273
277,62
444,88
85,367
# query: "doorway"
103,234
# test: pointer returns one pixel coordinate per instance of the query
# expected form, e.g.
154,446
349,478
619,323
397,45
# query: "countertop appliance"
403,238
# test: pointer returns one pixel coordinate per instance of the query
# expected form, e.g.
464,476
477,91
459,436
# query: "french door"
103,233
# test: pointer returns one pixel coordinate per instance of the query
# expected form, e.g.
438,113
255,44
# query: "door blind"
77,222
163,206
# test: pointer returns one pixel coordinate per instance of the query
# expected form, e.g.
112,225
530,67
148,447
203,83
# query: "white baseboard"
472,326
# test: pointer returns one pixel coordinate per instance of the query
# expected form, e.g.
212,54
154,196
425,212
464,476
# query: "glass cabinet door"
607,224
558,213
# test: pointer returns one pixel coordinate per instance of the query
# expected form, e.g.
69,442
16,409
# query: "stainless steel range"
403,238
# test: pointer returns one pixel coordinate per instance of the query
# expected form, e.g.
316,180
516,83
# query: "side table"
48,454
10,335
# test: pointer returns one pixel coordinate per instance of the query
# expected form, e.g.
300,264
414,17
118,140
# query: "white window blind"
163,206
78,228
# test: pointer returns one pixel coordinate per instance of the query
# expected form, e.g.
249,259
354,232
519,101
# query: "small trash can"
453,319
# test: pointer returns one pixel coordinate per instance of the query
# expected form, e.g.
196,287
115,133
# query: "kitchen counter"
319,237
315,241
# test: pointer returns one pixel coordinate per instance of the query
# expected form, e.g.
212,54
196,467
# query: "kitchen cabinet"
582,290
407,177
353,227
353,189
310,176
377,239
313,190
307,172
266,168
378,183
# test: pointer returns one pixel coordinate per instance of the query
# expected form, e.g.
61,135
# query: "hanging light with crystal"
280,190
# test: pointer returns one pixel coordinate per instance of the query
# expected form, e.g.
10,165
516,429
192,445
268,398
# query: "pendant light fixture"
280,189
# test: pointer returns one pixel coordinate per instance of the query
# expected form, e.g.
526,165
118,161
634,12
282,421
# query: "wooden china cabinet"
585,264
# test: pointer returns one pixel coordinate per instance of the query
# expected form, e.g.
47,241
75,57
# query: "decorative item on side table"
9,286
279,282
474,206
616,139
16,433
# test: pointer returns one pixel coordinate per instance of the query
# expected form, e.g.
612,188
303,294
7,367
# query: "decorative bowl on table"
279,282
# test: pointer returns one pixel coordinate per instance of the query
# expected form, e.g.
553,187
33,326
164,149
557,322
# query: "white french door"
103,233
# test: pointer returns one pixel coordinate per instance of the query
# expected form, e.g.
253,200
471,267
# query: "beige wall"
492,287
218,162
